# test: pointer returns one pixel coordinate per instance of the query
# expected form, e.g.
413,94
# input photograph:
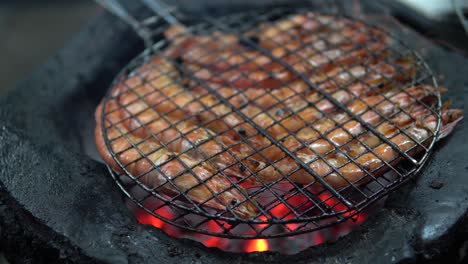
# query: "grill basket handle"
162,11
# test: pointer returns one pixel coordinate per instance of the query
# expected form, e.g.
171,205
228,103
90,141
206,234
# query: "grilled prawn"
323,136
164,171
221,59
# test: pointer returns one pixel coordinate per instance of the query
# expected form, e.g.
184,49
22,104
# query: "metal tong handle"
121,12
162,10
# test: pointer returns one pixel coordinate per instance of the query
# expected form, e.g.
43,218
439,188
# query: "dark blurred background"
33,30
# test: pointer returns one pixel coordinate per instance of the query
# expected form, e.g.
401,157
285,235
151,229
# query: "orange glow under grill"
281,211
256,245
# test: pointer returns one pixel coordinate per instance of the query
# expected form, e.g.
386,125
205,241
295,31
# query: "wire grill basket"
260,128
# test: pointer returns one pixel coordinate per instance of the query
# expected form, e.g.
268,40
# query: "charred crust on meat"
241,131
254,163
242,167
247,41
254,39
244,102
178,60
280,112
234,202
198,117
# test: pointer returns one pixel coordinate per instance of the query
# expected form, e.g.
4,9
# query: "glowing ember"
147,219
293,207
257,245
319,239
287,245
212,241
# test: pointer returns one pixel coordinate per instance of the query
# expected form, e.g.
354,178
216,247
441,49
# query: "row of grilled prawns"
181,137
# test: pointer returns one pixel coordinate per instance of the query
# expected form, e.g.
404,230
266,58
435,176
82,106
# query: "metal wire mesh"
235,119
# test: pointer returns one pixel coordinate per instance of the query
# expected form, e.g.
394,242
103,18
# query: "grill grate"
258,143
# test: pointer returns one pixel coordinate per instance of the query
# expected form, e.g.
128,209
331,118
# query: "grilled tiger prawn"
166,171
